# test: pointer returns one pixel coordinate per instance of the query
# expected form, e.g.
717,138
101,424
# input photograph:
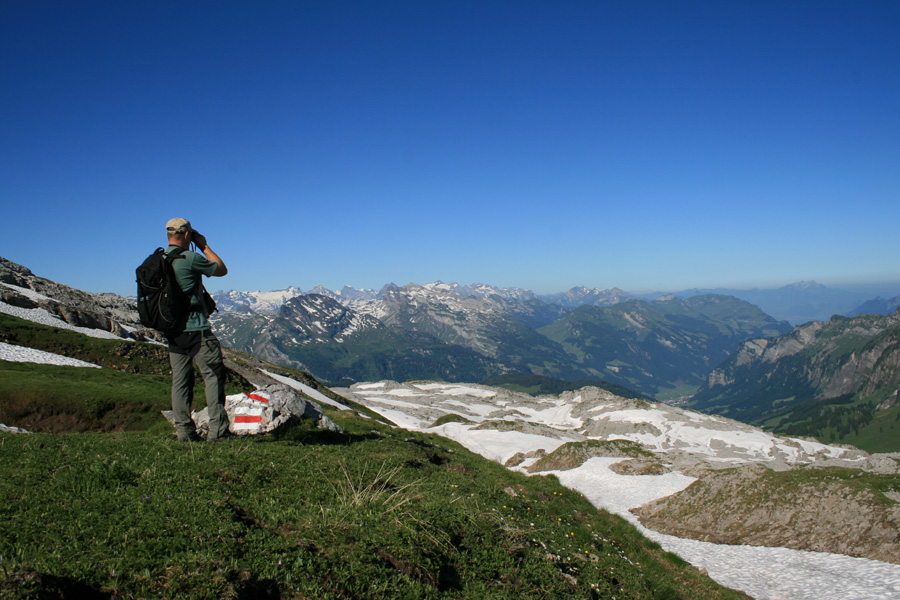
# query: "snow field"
762,572
300,387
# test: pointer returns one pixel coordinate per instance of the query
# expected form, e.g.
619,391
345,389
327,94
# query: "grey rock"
285,406
107,312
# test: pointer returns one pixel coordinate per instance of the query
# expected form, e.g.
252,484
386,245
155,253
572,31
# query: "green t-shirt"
189,270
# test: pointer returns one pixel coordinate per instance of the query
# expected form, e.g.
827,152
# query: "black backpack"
161,302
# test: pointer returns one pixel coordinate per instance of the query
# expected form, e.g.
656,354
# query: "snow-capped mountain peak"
256,301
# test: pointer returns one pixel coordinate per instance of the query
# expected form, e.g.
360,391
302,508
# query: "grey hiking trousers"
208,358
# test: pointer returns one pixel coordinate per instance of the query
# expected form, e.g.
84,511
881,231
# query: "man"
193,339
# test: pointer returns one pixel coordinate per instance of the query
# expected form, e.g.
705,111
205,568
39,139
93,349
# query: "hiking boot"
189,436
225,436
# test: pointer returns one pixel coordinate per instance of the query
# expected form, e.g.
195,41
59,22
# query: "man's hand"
198,239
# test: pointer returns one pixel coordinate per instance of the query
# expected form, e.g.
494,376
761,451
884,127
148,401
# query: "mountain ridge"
496,332
21,288
832,379
797,303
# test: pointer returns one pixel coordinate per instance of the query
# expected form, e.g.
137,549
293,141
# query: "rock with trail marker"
264,410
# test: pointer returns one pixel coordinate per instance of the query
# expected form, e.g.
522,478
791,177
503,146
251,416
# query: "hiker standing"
192,338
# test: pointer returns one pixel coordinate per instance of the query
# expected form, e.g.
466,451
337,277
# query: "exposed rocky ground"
107,312
820,510
752,488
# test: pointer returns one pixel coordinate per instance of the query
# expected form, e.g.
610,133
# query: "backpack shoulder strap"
171,256
204,295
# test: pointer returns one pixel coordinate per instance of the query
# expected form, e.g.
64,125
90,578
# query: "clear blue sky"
643,145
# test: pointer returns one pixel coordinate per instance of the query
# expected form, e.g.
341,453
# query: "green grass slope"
308,514
128,393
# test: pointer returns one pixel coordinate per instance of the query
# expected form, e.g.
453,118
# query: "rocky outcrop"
575,454
828,347
822,510
282,405
108,312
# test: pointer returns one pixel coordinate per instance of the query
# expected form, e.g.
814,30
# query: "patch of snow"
399,417
10,429
713,437
311,392
29,293
800,574
392,402
496,445
811,447
403,392
41,316
456,390
560,416
11,353
618,493
472,410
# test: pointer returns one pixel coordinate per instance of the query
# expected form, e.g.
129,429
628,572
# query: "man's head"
179,231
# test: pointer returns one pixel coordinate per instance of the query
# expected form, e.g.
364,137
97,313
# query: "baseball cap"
178,225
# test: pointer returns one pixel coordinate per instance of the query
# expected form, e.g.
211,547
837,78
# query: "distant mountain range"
796,303
800,302
876,306
255,302
662,348
581,296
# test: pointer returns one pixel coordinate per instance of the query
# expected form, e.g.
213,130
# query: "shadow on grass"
254,589
318,437
28,583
